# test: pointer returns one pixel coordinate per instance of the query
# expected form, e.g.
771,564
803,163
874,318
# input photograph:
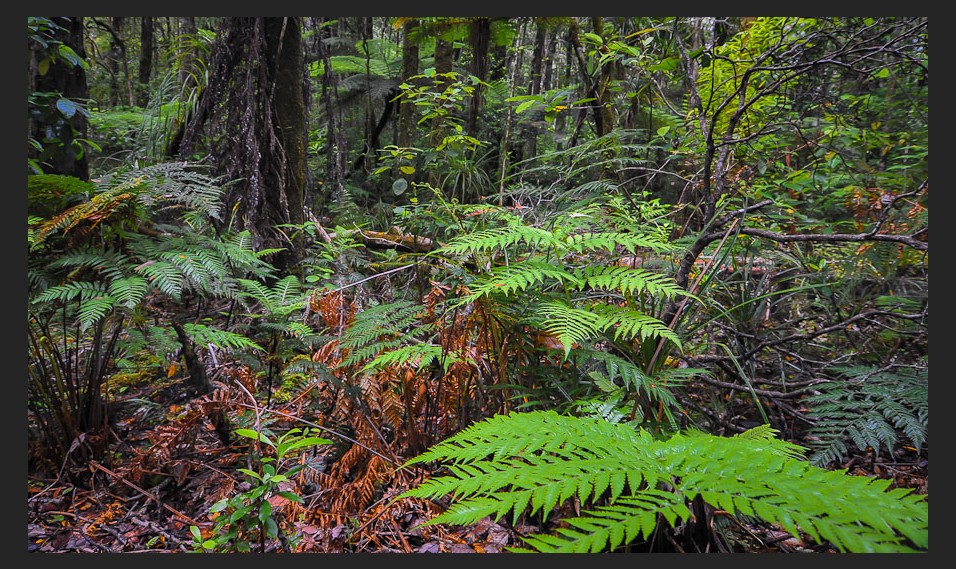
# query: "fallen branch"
174,511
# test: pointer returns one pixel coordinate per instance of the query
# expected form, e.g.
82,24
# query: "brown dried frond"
390,399
169,442
329,355
242,375
174,440
336,311
361,475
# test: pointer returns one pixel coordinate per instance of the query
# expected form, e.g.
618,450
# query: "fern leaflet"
630,480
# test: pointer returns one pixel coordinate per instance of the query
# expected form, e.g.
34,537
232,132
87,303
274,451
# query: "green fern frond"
611,240
628,280
129,291
569,325
628,481
165,276
608,527
416,355
363,353
517,277
613,368
224,340
628,324
171,184
189,265
496,239
81,290
95,309
616,376
380,329
869,407
107,263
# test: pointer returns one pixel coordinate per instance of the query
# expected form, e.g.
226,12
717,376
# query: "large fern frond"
627,480
497,238
378,329
628,280
517,277
610,240
871,408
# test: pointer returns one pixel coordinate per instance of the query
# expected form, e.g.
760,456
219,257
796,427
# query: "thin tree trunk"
480,38
145,60
407,114
336,165
509,118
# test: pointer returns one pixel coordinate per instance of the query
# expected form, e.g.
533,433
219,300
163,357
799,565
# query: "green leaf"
255,435
265,510
250,473
525,106
66,107
282,449
400,185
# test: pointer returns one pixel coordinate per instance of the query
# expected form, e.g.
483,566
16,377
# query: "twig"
174,511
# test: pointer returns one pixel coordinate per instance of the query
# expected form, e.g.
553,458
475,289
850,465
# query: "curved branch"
910,240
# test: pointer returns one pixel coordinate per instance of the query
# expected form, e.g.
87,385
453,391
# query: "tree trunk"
145,60
480,38
336,165
287,60
255,105
407,115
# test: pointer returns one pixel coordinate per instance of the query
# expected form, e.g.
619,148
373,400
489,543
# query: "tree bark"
286,59
254,109
407,115
480,39
145,60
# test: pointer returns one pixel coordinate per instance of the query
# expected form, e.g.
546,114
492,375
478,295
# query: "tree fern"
628,280
871,408
417,355
204,335
517,277
565,280
629,483
381,328
497,238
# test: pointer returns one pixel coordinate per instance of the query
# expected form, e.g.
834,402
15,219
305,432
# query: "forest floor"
101,509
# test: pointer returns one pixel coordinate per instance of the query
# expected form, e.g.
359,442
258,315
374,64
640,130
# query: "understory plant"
248,518
631,485
102,274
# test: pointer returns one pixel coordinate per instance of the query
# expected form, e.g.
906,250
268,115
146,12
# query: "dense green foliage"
656,268
628,483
